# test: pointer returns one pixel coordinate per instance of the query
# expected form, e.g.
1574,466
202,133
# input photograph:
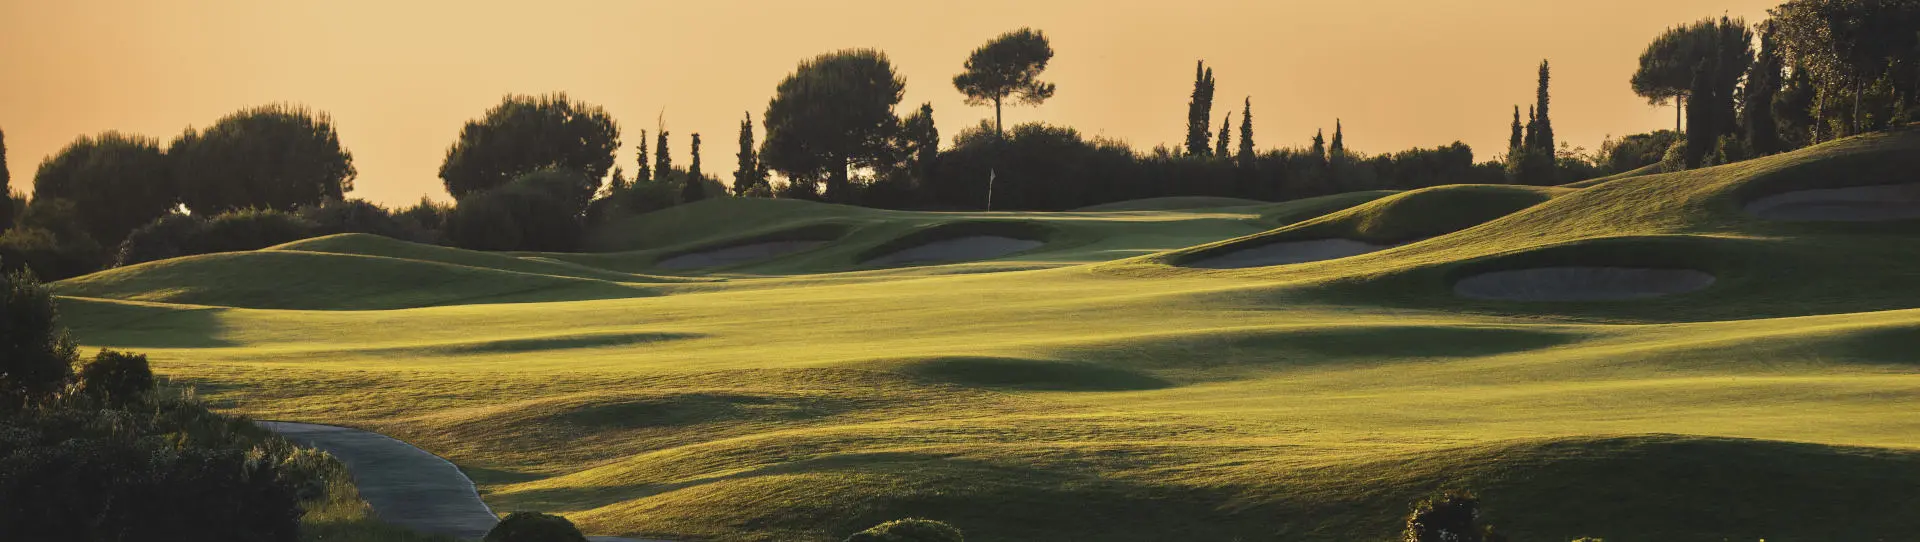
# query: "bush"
170,236
116,377
47,255
909,530
36,355
251,229
427,218
1636,151
536,212
353,216
1451,516
534,527
125,489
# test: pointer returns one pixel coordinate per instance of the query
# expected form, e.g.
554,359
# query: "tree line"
534,172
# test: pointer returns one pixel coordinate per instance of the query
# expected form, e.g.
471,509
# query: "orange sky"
401,76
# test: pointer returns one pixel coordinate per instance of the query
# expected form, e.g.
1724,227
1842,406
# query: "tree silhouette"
1007,67
694,190
642,173
832,114
116,182
6,187
662,159
1245,158
276,157
746,173
1518,138
1200,110
1543,125
1224,140
1339,147
525,134
1667,64
920,140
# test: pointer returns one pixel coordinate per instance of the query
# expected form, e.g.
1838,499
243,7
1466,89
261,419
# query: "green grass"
1093,388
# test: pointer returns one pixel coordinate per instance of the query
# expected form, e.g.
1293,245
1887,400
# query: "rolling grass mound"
1376,225
281,279
375,245
1170,203
1029,374
1098,388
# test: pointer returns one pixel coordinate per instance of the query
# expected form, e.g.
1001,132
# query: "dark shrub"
427,217
534,527
535,212
170,236
36,355
1636,151
125,489
46,254
116,377
352,216
909,530
1451,516
250,229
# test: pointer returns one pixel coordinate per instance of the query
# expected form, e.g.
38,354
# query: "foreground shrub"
1452,516
909,530
36,355
116,489
116,377
534,527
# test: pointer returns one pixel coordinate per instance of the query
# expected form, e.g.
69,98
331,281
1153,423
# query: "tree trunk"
998,131
1856,105
1678,105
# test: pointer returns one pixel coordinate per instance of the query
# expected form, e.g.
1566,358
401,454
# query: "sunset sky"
401,76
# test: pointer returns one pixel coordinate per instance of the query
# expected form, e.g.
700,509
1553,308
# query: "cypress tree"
1246,136
642,174
1543,125
1200,110
1319,149
693,190
748,163
1339,148
1763,82
662,162
6,187
1519,133
1530,141
1225,139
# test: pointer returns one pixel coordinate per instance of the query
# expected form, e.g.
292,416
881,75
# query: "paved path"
406,486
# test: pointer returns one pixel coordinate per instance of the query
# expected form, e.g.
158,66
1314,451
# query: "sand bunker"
958,249
1581,283
1856,204
736,254
1290,252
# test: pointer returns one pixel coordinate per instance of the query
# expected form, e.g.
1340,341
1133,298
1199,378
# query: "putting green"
1097,386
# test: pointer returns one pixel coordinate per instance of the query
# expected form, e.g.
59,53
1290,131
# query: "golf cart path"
406,486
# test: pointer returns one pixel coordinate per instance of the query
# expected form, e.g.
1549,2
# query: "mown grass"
1095,389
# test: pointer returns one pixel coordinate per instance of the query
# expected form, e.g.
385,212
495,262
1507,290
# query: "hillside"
1645,358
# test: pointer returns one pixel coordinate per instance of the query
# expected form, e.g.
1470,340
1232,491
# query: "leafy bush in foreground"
534,527
36,355
909,530
116,377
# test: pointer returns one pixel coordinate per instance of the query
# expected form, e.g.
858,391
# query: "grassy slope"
806,397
